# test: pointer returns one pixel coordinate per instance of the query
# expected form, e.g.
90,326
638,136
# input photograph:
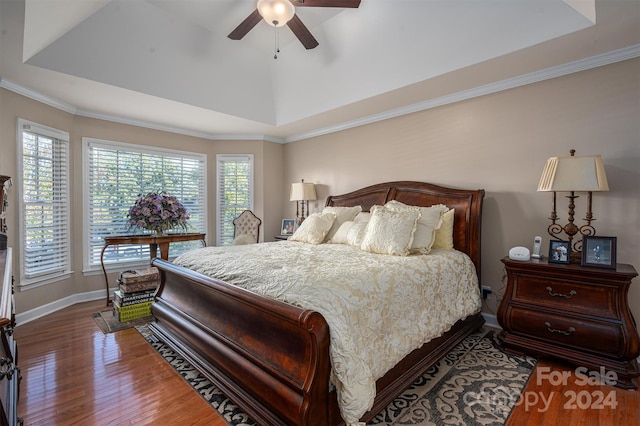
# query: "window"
235,192
43,155
115,173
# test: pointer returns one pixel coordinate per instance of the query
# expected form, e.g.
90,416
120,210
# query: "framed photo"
288,226
559,251
599,252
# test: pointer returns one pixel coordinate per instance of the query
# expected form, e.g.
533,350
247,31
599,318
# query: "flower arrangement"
157,211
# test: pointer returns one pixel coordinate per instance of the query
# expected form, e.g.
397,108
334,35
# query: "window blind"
235,192
116,173
45,228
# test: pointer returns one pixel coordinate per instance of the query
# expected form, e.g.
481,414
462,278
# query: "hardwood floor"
73,374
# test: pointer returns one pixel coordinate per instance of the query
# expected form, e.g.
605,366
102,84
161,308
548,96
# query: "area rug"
108,323
475,383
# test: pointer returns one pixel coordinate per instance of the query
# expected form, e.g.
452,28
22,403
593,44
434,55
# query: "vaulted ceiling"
169,63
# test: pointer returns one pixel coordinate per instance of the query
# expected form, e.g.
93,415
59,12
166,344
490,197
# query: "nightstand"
573,313
281,237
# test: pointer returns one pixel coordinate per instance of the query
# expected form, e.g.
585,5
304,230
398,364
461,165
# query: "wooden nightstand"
577,314
281,237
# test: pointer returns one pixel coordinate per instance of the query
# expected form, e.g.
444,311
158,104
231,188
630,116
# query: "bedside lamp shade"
302,192
574,174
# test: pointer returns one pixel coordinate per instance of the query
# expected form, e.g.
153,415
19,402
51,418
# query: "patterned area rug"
475,383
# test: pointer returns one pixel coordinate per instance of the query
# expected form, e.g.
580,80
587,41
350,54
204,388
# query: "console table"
155,241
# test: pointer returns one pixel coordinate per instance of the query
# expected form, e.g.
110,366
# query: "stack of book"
134,296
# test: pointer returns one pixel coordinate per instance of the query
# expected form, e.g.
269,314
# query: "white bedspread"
378,307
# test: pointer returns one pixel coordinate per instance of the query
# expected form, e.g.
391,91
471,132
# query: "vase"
159,233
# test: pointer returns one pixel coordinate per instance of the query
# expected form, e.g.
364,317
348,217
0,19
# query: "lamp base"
575,257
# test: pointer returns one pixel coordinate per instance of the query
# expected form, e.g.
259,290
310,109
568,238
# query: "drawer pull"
555,330
566,296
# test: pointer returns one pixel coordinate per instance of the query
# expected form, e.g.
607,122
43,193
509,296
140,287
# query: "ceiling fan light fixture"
276,12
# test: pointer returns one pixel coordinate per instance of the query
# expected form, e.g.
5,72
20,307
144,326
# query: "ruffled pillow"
430,220
390,231
314,229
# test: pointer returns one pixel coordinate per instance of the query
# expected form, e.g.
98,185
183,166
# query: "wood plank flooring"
73,374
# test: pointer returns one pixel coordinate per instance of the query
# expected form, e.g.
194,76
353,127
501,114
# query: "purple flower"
157,212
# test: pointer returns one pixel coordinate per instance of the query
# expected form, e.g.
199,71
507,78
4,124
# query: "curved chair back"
246,228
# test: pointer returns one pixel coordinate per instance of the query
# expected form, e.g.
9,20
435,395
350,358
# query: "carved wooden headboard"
467,204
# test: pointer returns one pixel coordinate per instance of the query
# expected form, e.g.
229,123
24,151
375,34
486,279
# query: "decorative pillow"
390,231
362,217
243,239
340,237
356,233
444,234
314,229
430,221
343,214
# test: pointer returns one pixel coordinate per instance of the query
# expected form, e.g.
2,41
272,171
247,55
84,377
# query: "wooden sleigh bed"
271,358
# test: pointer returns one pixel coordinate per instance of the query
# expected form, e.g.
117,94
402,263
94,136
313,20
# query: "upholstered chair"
246,228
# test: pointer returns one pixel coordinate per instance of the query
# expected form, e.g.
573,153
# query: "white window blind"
115,173
44,229
235,192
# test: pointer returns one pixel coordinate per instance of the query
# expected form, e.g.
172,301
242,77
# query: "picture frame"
288,226
559,251
599,252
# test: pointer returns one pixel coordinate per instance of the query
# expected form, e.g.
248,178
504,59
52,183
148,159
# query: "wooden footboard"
271,358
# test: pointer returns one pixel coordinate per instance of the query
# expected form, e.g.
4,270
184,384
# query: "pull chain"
277,40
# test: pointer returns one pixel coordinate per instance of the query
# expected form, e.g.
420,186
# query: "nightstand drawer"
567,296
584,335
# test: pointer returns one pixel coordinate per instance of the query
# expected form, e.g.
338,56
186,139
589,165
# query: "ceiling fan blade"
301,31
245,26
327,3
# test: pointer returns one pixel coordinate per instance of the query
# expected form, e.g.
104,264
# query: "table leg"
153,250
104,271
164,251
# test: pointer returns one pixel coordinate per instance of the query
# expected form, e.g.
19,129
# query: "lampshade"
302,191
574,174
276,12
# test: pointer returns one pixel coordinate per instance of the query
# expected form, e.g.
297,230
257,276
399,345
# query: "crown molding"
511,83
614,56
36,96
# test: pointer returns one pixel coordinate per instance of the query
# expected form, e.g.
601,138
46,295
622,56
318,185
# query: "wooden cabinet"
577,314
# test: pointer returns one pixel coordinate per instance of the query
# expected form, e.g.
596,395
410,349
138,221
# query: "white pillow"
340,237
356,233
430,221
314,229
390,231
444,234
343,214
362,217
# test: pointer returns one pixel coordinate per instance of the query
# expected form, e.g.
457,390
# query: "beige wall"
497,142
500,143
267,180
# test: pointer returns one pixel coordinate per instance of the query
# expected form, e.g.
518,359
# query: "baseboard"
49,308
491,320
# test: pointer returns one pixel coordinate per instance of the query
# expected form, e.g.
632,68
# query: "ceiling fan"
280,12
